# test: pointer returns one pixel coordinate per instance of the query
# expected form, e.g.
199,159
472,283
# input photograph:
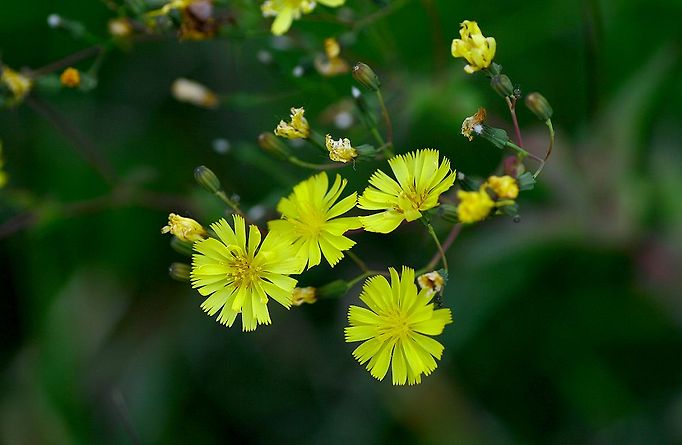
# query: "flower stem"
294,160
550,127
389,124
440,247
512,109
361,264
227,200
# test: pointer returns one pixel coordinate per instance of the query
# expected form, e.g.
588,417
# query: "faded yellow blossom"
341,150
189,91
297,128
120,28
18,84
505,187
478,50
473,124
185,229
432,281
303,295
474,206
70,77
331,64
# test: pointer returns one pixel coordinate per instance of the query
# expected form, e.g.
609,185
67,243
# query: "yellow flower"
298,128
304,295
505,187
310,219
478,50
331,64
420,182
473,124
120,28
396,328
474,206
239,276
341,150
185,229
189,91
286,11
70,78
18,84
433,282
168,7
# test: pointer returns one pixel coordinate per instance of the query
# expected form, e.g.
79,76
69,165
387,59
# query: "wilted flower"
331,64
185,229
433,282
304,295
473,124
297,128
341,150
478,50
18,84
189,91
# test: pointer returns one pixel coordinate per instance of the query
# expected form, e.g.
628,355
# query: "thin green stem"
318,141
361,264
525,154
359,278
550,127
294,160
227,200
512,109
440,247
387,122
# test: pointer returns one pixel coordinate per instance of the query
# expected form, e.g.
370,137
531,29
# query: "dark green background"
567,325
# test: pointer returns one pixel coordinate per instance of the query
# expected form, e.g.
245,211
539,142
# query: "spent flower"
433,282
478,50
296,128
303,295
186,229
341,150
396,328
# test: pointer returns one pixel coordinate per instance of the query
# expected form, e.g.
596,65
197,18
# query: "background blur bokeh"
568,325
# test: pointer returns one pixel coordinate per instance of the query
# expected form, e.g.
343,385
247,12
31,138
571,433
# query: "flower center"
242,271
396,324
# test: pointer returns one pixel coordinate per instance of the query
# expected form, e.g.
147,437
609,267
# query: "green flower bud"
179,271
272,145
207,179
366,152
182,247
502,85
497,136
332,290
366,76
539,106
448,212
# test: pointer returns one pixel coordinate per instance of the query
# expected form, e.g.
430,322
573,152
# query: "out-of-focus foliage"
567,326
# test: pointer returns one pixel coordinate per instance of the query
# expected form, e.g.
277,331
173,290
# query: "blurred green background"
568,325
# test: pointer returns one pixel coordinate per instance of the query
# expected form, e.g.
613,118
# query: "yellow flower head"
185,229
341,150
505,187
473,124
474,206
169,6
286,11
310,219
478,50
120,28
239,276
421,180
396,328
304,295
18,84
433,282
298,128
331,64
70,78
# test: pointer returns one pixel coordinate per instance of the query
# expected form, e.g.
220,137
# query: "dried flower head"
297,128
473,124
341,150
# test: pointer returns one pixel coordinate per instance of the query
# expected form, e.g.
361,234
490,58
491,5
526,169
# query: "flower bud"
303,295
448,212
182,247
186,229
207,179
539,106
502,85
332,290
366,76
179,271
273,145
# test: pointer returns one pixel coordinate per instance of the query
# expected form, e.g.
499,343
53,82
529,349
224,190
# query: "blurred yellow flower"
18,84
421,180
310,219
505,187
239,275
286,11
298,128
396,328
341,150
433,282
331,64
304,295
474,206
70,77
3,174
185,229
192,92
478,50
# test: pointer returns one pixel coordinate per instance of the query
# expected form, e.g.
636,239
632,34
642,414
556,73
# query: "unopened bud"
448,212
333,289
502,85
207,179
367,152
303,295
179,271
273,145
539,106
182,247
366,76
